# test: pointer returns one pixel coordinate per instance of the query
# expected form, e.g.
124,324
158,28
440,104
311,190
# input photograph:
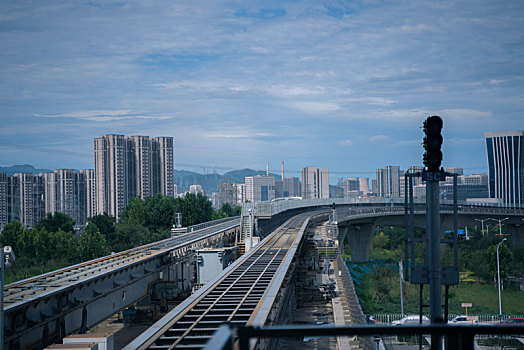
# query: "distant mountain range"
209,182
25,168
183,178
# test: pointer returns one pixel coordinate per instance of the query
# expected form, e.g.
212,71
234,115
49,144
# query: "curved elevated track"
242,295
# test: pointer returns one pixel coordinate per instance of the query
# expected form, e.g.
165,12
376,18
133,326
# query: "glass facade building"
505,154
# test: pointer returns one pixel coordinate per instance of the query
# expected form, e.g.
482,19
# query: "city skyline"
342,86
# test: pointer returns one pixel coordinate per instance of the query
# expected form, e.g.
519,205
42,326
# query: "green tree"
218,214
93,244
11,234
518,260
130,236
195,209
106,226
135,213
160,213
43,247
505,260
227,209
380,241
479,266
64,249
57,221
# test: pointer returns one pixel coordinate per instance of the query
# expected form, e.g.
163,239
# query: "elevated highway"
357,218
48,307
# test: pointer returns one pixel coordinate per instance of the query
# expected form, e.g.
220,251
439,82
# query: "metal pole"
433,257
498,274
400,281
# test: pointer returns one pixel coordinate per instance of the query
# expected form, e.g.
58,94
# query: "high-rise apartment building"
388,181
241,193
260,188
291,187
227,193
363,183
196,189
26,198
90,192
315,183
4,185
126,167
352,187
415,180
505,155
163,165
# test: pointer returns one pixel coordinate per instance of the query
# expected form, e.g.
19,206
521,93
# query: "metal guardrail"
388,318
210,223
280,205
457,336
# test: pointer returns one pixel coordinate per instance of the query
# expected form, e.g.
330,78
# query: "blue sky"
343,85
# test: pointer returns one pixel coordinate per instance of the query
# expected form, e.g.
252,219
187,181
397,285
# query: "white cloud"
378,138
105,115
314,107
347,142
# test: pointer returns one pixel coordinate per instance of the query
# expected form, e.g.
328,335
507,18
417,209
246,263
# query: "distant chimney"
267,169
282,170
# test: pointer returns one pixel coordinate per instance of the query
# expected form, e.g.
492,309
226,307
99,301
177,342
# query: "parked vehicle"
410,320
514,320
467,320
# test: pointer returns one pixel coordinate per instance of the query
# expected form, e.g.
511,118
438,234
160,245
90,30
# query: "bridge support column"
516,233
360,238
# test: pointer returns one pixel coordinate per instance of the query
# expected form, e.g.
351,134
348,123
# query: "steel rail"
32,287
231,298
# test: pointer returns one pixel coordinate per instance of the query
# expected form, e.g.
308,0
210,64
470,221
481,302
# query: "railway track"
35,287
235,297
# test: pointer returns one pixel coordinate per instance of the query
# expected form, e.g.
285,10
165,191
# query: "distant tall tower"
111,174
388,181
505,154
315,182
4,183
135,166
163,170
26,193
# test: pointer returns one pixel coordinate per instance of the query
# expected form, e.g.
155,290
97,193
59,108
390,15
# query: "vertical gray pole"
400,281
433,257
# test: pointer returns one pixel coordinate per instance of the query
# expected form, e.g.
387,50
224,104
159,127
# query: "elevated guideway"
248,292
48,307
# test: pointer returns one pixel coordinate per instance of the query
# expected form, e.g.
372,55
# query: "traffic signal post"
433,174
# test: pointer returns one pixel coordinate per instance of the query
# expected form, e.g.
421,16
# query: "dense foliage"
53,244
379,289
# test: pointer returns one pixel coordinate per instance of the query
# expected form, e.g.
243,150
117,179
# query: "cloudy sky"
343,85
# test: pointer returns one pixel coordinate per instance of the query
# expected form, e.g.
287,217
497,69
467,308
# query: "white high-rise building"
260,188
388,181
505,153
26,198
315,183
126,167
90,192
4,214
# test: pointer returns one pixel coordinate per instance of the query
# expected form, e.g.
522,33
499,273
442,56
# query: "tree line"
53,244
377,285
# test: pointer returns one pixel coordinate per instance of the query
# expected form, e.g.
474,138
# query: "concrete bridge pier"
359,238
